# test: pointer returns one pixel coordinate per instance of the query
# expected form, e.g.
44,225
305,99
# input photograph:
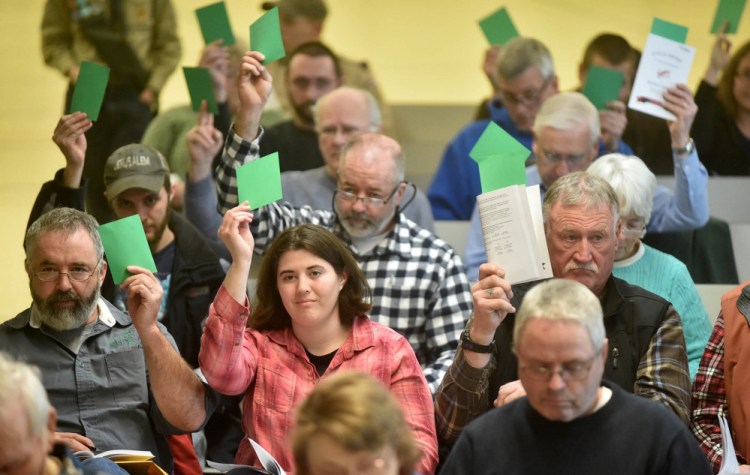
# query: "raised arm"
254,88
462,395
687,207
179,393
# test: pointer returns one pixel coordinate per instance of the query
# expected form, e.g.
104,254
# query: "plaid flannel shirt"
710,398
418,282
273,371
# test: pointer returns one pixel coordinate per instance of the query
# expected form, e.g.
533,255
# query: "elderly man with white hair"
644,266
566,134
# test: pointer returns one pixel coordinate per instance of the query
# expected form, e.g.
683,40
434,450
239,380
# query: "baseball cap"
134,166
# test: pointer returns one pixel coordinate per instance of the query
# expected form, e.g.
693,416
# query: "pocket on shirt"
126,371
274,387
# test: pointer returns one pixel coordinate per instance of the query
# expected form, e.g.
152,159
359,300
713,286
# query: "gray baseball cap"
134,166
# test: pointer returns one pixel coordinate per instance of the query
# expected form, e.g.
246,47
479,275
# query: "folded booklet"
135,462
513,232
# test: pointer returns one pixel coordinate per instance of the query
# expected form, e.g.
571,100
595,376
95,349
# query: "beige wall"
424,51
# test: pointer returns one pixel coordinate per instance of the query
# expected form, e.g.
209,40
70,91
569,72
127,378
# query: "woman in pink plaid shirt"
308,321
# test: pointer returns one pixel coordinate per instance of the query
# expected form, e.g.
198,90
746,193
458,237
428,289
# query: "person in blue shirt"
566,134
525,79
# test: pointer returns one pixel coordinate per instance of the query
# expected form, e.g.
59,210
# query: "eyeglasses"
370,201
568,371
635,227
527,98
76,275
572,161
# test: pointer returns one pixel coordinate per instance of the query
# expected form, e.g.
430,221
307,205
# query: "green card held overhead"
265,36
259,181
729,11
125,245
498,28
201,88
214,22
671,31
88,94
501,159
602,85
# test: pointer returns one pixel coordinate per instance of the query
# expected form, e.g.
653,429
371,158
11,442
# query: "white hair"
632,181
568,111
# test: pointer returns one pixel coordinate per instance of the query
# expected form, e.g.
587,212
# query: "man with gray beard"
116,378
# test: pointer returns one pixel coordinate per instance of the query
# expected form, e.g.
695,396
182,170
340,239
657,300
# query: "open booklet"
729,464
135,462
513,232
270,465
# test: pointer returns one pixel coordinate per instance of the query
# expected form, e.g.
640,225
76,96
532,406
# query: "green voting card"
602,85
88,94
259,181
125,245
498,28
501,159
671,31
201,88
265,36
729,11
214,22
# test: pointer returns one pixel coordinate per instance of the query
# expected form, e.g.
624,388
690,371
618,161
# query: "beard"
361,225
305,112
159,230
61,319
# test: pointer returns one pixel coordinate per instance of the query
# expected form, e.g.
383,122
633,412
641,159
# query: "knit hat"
134,166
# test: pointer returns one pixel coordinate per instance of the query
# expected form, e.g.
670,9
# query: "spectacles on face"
371,201
526,98
574,371
346,131
634,227
572,161
78,274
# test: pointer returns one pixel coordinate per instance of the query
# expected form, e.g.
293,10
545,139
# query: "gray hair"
519,54
566,300
375,117
632,181
568,111
20,382
581,189
67,221
385,146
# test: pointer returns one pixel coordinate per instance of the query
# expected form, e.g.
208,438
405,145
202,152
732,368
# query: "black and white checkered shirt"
418,282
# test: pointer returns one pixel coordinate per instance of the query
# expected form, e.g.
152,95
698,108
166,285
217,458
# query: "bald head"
341,114
375,147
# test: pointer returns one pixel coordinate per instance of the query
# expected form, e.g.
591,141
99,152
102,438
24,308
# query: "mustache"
591,267
63,296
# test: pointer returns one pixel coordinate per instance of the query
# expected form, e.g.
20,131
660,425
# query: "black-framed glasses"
571,161
370,201
575,371
76,275
526,98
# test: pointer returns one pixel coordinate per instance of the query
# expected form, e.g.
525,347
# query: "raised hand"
254,88
144,294
204,142
678,100
613,121
70,138
215,58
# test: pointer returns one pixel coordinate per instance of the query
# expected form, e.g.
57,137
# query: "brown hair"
355,297
316,49
358,413
725,90
612,48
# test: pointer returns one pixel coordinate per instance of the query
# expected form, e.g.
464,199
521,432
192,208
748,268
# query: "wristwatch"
687,149
467,344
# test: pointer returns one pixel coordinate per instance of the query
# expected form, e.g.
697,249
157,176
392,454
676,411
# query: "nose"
556,381
64,283
340,137
359,205
303,285
561,168
583,251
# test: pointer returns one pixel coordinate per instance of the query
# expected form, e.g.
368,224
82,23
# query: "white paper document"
513,232
729,464
664,63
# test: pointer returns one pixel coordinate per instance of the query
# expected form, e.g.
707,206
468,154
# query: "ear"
400,193
605,349
342,279
51,428
103,270
618,234
170,192
581,73
553,81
